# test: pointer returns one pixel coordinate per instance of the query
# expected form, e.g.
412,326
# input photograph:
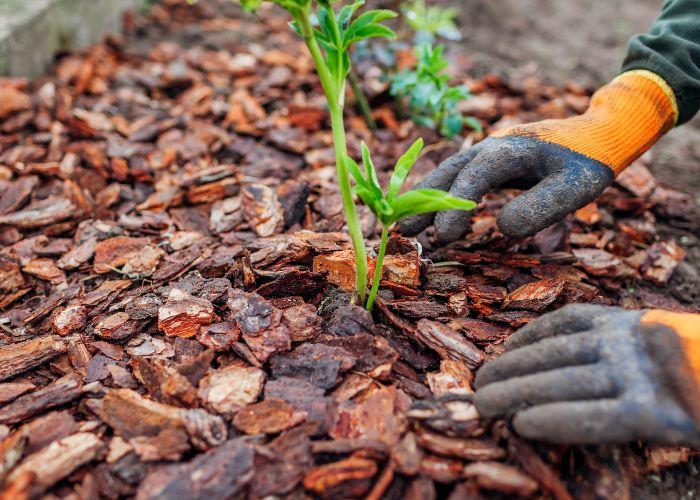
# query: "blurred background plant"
432,101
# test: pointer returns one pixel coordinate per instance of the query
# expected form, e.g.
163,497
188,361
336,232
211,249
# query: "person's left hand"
590,374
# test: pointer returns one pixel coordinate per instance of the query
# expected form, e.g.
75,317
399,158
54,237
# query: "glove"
573,159
589,374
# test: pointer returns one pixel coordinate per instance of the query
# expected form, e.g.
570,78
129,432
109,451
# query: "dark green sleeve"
671,49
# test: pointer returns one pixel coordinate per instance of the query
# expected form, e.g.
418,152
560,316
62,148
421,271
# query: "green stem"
335,105
362,101
378,269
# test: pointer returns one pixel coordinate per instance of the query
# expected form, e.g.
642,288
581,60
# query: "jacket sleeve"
671,49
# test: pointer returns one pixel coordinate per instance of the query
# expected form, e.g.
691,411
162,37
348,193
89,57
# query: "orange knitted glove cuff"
685,369
624,119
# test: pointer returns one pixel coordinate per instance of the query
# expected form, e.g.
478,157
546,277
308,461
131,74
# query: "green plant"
431,21
328,43
431,99
390,206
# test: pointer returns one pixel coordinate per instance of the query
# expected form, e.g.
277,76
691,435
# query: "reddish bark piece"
60,392
661,260
479,331
374,418
555,271
219,474
486,294
302,283
589,215
535,296
118,327
269,416
281,464
44,269
42,213
417,309
168,444
183,314
454,376
44,430
602,263
10,275
131,415
637,179
262,210
17,193
10,391
69,320
448,343
229,389
441,469
465,449
18,358
353,474
501,477
219,336
57,460
516,319
403,269
12,101
303,322
340,268
261,324
114,252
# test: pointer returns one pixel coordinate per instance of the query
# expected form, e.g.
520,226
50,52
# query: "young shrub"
431,100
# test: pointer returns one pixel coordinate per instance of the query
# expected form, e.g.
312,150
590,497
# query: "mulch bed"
174,276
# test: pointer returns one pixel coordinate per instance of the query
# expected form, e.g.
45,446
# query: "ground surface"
173,261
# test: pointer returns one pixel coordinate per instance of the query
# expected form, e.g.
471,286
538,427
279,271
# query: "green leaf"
347,12
326,24
473,123
452,124
422,201
354,169
250,5
402,169
371,31
369,18
371,172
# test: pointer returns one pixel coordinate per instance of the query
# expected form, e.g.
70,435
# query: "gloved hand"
573,160
589,374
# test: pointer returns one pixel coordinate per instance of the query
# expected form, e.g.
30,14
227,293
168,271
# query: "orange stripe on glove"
624,119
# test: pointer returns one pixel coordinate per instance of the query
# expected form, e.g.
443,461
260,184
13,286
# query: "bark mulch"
174,315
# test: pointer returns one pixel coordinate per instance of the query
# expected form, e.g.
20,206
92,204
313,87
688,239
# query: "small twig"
362,100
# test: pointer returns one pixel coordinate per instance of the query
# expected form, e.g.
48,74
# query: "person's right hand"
573,160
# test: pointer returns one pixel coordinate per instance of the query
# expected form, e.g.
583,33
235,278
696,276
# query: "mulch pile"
174,315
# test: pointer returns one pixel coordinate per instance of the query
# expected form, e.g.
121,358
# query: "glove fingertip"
415,224
451,225
515,225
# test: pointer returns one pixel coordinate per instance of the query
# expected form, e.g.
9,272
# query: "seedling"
329,45
431,99
390,206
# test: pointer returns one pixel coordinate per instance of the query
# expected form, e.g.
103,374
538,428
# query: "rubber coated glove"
573,159
589,374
